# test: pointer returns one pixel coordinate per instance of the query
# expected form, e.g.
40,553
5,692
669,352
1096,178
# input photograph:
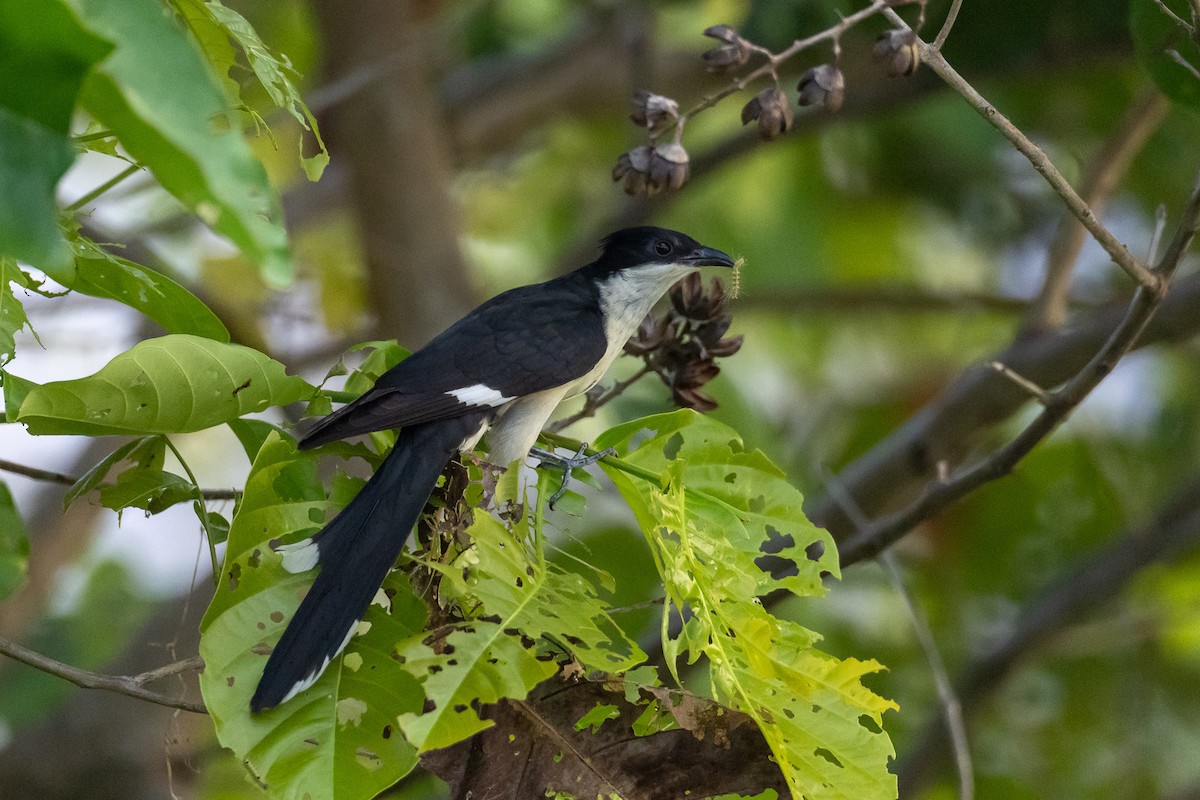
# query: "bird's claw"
569,464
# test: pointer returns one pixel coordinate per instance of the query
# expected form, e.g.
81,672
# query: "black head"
633,247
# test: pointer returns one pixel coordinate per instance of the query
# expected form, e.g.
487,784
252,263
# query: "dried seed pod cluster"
654,167
733,53
682,345
650,170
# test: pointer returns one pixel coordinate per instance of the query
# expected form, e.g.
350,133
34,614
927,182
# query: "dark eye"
662,248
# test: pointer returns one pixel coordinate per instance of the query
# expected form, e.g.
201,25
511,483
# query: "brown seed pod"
772,110
898,51
655,112
732,54
822,85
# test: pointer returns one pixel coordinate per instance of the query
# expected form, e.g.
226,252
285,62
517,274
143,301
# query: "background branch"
1040,161
128,685
50,476
1057,406
1093,584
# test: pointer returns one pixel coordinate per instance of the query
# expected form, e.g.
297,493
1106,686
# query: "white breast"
626,297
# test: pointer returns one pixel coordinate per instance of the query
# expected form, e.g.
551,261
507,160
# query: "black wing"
522,341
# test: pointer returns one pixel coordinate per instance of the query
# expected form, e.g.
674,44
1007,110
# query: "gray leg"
568,464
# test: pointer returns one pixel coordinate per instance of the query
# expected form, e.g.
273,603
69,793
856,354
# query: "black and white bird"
499,371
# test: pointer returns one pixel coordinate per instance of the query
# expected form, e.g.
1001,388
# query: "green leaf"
45,54
1155,37
101,274
253,433
706,517
15,391
14,544
339,738
12,313
272,70
99,471
173,384
154,490
525,612
157,93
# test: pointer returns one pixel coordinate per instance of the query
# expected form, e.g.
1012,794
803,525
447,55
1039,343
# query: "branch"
1057,406
50,476
1103,174
128,685
593,402
1174,533
1144,276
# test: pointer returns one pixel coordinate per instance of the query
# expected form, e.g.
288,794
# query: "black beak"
707,257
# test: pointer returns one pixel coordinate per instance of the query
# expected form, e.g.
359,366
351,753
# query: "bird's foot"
568,464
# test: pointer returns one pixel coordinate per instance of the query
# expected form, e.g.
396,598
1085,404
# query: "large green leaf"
706,519
14,544
161,299
1159,40
338,739
44,55
173,384
161,98
523,611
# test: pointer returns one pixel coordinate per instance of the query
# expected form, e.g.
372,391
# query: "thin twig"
1183,62
592,404
1091,584
952,713
1144,276
773,61
951,707
50,476
1100,181
128,685
102,188
944,33
1178,19
1035,391
1058,405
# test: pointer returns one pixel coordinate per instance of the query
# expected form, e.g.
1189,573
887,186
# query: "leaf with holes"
173,384
338,739
526,613
706,520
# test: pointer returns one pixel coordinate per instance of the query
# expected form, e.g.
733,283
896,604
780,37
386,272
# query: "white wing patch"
479,395
299,556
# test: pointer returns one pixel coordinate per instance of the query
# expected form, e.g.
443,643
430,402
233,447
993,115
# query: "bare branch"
1173,534
951,18
1058,405
128,685
1144,276
1103,174
1035,391
951,707
774,60
1183,62
593,402
1180,21
50,476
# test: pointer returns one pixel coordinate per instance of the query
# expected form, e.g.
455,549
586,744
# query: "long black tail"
354,553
